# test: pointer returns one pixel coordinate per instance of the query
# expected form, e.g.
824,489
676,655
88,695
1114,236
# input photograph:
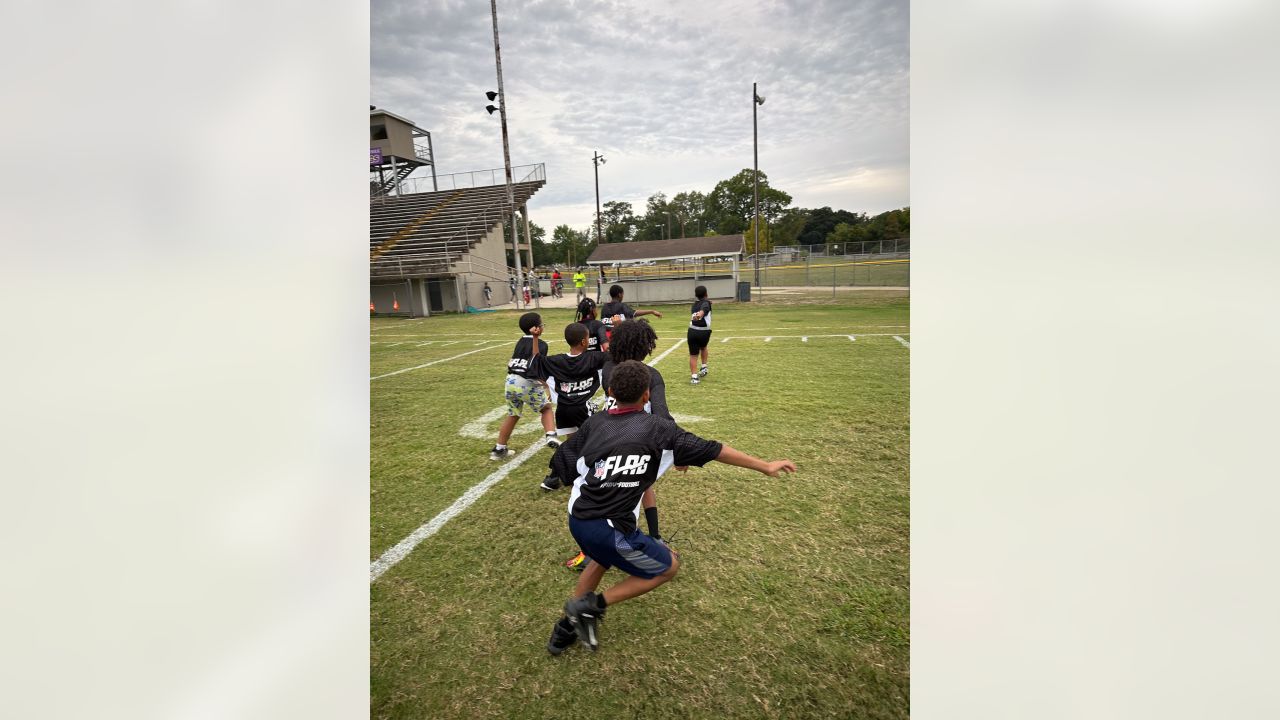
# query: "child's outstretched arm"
730,456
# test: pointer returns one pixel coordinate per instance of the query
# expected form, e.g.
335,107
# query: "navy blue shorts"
635,554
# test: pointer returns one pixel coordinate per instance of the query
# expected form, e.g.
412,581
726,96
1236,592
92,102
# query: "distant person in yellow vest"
580,283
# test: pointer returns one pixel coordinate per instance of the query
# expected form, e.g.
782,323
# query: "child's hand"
697,315
657,314
682,468
536,331
773,468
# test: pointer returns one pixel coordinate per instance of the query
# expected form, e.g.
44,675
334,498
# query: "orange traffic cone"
370,306
395,304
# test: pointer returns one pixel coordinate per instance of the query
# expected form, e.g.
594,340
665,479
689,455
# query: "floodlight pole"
755,180
596,159
506,148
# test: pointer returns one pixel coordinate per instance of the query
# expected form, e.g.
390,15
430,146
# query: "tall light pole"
755,178
597,159
506,148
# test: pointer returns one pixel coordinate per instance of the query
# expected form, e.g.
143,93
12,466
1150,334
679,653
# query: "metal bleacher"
423,234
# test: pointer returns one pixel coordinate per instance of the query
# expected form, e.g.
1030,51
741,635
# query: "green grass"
792,600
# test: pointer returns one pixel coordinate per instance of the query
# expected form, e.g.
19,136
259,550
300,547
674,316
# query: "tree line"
726,210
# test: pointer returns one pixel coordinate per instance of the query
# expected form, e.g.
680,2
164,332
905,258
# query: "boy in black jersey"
616,311
616,456
521,388
576,375
699,333
632,340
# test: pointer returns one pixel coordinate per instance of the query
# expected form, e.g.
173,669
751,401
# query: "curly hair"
632,340
629,381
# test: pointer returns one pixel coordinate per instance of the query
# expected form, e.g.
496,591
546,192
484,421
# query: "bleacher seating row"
423,233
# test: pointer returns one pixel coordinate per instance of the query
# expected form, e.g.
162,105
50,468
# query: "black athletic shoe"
551,482
584,615
496,454
562,636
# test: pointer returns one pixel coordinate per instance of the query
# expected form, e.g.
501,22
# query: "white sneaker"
703,371
693,380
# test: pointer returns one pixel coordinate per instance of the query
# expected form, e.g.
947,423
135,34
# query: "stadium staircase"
424,234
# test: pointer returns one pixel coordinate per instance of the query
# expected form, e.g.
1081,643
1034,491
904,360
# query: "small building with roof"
669,270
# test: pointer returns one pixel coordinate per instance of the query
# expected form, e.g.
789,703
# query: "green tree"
787,228
730,206
658,218
689,209
822,221
617,219
569,246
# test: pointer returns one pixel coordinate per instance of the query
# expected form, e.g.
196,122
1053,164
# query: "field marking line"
425,343
804,338
852,339
394,344
434,362
904,342
405,546
768,339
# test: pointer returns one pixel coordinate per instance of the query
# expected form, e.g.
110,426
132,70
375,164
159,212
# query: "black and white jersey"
657,392
615,456
611,308
596,337
577,377
519,362
704,322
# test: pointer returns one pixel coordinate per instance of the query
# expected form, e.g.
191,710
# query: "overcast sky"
663,90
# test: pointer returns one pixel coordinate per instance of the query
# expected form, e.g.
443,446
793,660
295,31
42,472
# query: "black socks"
651,517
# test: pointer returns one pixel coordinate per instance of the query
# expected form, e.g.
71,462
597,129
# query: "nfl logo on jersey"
601,468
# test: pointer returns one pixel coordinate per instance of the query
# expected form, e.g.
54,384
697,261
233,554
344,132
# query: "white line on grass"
904,342
434,362
405,546
852,338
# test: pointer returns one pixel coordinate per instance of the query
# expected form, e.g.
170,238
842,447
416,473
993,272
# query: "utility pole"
755,179
506,148
597,159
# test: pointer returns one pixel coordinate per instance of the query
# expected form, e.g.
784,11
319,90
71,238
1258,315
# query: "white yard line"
804,338
904,342
852,338
768,339
394,344
405,546
434,362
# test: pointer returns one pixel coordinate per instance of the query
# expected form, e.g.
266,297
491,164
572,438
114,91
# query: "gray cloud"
663,89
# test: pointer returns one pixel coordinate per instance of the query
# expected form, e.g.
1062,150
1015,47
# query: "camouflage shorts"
521,392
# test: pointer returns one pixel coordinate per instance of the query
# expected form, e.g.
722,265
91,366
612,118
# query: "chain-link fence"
829,266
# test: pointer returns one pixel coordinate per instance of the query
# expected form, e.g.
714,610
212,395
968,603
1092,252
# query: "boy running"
699,333
616,456
521,388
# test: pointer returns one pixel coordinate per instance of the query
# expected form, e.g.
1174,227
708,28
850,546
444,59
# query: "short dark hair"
629,381
615,291
700,292
632,340
529,321
575,333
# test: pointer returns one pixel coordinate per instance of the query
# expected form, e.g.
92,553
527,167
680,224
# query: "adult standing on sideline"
511,280
580,283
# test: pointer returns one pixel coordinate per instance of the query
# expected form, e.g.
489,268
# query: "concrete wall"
383,294
490,257
639,292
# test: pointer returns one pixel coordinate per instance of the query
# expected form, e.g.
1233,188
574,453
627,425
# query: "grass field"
792,599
